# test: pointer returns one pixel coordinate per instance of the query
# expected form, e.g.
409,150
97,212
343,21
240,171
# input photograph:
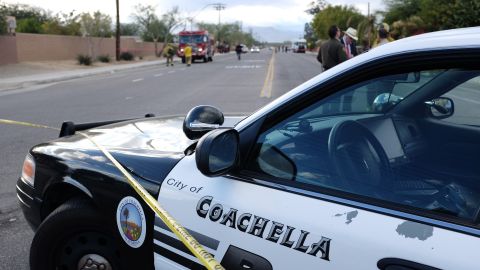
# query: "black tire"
72,231
183,60
205,59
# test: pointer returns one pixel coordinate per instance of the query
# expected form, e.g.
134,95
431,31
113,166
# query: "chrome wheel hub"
93,262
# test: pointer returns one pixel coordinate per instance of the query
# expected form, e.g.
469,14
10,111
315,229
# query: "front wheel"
183,60
74,236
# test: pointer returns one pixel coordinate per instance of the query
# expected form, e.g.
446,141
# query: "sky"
281,15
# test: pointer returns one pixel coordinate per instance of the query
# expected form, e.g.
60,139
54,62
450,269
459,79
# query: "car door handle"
238,259
400,264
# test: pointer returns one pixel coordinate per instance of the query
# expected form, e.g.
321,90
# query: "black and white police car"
373,164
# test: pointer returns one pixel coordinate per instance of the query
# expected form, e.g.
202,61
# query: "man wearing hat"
349,42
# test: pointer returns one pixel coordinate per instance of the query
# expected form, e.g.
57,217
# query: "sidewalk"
25,74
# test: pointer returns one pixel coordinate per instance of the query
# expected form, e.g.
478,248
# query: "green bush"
84,60
127,56
104,58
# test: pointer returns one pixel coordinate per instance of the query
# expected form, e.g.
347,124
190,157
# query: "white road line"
137,80
158,75
182,69
171,71
463,99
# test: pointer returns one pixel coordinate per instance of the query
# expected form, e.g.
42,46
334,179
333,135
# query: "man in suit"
331,52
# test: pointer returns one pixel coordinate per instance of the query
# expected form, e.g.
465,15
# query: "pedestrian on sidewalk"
188,54
331,52
169,52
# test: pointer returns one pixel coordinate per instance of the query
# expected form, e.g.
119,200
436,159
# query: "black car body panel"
72,166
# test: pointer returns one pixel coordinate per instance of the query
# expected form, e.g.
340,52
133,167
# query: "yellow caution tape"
189,241
18,123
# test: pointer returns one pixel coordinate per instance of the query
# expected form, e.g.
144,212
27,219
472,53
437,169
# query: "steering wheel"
359,160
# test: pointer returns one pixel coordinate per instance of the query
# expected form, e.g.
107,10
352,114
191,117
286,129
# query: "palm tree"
126,214
367,32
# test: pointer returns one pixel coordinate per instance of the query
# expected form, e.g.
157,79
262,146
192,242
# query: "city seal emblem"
131,221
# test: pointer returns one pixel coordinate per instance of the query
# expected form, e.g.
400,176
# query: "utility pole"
117,36
219,7
369,30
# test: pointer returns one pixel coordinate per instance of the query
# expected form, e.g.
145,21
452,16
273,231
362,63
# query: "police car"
373,164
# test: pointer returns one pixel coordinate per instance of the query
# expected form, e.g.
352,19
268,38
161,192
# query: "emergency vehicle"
299,46
202,44
373,164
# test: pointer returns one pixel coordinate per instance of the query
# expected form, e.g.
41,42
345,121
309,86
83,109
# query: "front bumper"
29,204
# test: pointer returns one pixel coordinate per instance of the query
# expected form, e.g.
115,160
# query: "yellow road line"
18,123
267,84
191,243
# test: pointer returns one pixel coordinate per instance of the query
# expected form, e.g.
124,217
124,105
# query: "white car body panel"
357,242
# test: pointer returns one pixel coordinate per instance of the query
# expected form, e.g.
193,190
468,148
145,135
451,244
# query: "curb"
74,74
20,83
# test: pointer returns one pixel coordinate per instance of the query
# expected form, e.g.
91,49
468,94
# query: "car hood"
148,147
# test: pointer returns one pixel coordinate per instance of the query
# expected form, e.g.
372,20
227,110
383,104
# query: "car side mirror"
200,120
217,152
441,107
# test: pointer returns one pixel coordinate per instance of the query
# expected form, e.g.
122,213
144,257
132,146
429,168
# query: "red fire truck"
201,42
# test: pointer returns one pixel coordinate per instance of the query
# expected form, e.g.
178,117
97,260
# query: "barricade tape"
189,241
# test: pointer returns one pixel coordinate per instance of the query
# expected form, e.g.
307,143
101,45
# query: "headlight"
200,49
28,170
181,49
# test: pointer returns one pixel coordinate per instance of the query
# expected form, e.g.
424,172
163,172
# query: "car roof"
434,41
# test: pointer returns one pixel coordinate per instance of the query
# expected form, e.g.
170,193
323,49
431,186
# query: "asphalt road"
231,85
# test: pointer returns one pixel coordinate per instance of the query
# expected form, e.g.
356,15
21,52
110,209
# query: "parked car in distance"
255,49
244,48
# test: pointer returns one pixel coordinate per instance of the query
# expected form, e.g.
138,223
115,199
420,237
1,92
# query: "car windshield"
192,39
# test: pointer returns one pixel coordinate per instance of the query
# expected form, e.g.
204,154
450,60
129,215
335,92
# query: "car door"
288,206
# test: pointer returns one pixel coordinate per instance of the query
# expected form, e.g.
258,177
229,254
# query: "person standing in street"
188,54
382,37
238,50
349,41
169,52
331,52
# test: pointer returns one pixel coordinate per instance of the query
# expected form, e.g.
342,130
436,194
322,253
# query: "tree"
342,16
3,19
416,16
309,35
126,213
98,25
170,20
29,19
231,33
129,29
63,24
150,26
401,9
316,7
367,32
414,25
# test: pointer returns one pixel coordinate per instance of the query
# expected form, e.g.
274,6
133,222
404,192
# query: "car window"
373,96
466,98
354,141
